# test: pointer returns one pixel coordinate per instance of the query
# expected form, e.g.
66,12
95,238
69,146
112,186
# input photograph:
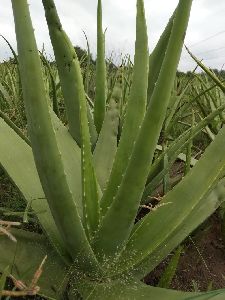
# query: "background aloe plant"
89,183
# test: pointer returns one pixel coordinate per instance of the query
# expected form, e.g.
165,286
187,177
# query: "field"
111,183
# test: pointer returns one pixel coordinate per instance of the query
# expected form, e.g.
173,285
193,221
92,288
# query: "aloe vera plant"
85,192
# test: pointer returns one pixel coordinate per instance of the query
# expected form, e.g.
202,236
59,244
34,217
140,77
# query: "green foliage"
100,98
170,271
90,178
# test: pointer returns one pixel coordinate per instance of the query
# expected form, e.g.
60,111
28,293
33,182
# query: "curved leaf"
157,57
69,71
132,290
25,178
46,152
135,110
149,234
110,240
100,97
106,146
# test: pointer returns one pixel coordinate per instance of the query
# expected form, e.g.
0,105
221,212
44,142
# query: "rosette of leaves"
86,183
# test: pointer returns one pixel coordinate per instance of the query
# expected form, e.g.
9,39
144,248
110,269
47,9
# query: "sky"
205,36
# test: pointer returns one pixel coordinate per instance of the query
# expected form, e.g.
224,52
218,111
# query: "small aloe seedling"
91,181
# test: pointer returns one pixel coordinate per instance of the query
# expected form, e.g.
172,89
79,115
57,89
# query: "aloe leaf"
25,178
69,71
64,51
208,71
172,110
25,256
168,274
178,204
89,183
100,97
110,240
46,152
204,209
130,290
135,109
90,192
173,151
157,57
88,67
55,105
106,146
71,156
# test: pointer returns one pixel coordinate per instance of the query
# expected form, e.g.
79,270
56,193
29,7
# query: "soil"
202,263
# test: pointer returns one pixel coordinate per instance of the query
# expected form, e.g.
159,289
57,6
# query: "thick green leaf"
25,178
87,69
71,156
131,290
74,94
183,200
203,210
135,110
169,272
100,97
90,192
69,71
110,240
48,157
157,57
106,146
156,173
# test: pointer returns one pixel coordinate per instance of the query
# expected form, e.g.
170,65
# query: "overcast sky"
205,36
